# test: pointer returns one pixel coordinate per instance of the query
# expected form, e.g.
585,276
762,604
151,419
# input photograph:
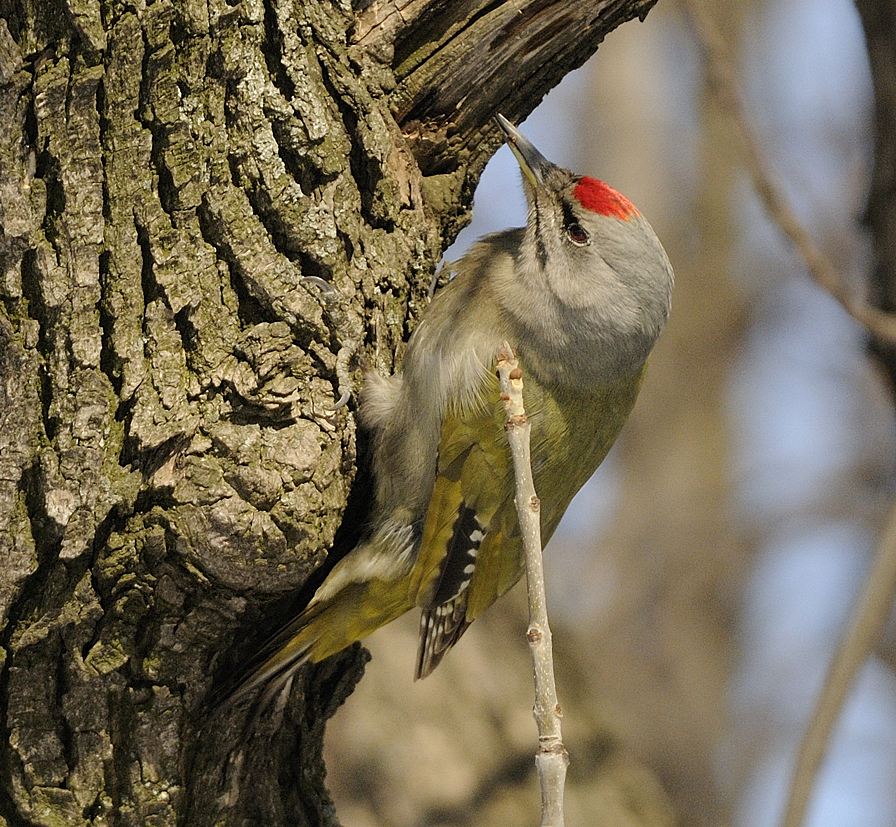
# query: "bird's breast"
572,432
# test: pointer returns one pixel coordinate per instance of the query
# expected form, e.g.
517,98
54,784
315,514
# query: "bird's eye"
577,234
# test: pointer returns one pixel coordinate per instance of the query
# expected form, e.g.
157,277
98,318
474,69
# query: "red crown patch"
601,198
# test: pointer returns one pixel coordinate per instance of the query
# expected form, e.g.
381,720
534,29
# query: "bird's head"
589,248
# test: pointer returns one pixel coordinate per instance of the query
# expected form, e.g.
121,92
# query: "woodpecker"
581,293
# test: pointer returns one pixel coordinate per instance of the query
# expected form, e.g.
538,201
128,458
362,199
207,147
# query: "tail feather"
322,630
441,626
278,659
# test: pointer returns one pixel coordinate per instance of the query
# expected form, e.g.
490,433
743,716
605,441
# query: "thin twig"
865,628
871,614
551,760
723,81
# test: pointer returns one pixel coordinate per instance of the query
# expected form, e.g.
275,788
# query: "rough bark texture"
170,472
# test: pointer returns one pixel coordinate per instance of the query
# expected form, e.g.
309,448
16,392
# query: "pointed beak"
531,161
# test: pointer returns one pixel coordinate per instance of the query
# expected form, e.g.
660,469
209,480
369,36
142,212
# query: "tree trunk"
171,469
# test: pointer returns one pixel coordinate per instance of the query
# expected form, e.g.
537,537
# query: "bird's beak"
531,161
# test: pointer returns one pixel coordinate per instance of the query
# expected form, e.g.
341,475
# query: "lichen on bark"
171,470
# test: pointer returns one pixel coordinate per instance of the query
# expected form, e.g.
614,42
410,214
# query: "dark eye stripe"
569,217
540,250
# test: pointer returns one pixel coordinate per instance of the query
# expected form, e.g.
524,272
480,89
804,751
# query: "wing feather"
470,494
475,474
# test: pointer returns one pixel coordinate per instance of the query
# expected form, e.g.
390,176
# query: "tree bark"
171,473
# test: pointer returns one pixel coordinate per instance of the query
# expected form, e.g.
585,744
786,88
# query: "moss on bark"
169,465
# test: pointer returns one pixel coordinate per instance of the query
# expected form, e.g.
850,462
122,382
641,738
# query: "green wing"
467,556
470,552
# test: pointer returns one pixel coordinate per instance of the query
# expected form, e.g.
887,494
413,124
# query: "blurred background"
699,583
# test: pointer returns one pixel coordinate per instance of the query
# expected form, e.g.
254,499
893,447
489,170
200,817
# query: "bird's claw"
340,403
330,293
444,273
347,349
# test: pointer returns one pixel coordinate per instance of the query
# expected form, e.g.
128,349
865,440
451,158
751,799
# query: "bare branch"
551,759
455,64
723,80
871,614
865,627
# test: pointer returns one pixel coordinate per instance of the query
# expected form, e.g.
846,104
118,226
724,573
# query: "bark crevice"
170,471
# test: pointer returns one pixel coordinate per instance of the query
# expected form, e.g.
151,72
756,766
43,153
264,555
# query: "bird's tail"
323,629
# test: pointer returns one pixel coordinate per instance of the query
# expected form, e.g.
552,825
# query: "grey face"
592,260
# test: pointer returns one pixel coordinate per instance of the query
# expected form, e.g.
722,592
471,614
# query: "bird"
581,293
